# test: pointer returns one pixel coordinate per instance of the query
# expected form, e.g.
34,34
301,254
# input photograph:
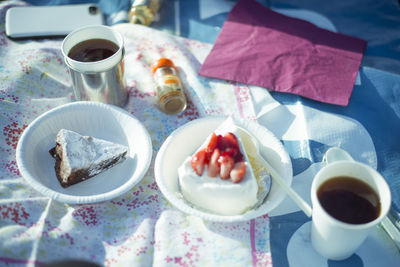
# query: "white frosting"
215,194
85,152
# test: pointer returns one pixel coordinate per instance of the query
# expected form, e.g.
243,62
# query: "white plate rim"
65,198
178,203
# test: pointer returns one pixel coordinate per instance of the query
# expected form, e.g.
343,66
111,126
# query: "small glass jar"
170,94
144,11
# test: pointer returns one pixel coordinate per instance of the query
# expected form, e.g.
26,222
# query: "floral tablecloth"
139,228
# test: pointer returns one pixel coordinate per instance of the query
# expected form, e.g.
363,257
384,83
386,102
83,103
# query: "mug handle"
336,154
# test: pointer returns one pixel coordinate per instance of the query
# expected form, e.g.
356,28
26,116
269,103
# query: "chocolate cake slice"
79,158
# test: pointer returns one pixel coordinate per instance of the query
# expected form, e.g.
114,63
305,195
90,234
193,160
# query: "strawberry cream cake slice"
218,176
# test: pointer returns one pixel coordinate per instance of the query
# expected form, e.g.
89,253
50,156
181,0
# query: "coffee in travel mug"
95,58
338,232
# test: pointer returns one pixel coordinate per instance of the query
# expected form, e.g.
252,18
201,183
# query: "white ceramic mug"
334,239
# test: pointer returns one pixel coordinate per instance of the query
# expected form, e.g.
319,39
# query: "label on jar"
168,83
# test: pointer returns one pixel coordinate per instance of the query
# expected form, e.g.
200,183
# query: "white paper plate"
87,118
186,139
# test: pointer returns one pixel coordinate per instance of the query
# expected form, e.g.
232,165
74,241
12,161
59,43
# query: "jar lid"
162,62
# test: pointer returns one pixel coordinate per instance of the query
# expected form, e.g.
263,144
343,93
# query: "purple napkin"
258,46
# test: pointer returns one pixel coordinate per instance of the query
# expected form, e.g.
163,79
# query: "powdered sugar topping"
84,152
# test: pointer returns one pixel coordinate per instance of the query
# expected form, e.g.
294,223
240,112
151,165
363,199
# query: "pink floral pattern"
14,212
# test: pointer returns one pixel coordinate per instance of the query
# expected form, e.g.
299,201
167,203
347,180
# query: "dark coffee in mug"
93,50
349,200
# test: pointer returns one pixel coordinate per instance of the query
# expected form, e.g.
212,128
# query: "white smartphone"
48,21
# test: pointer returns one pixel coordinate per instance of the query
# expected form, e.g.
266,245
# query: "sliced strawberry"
212,143
235,153
226,165
232,151
221,144
197,162
213,166
231,139
238,172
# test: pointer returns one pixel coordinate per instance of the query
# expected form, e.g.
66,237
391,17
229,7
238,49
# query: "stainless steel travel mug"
103,80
